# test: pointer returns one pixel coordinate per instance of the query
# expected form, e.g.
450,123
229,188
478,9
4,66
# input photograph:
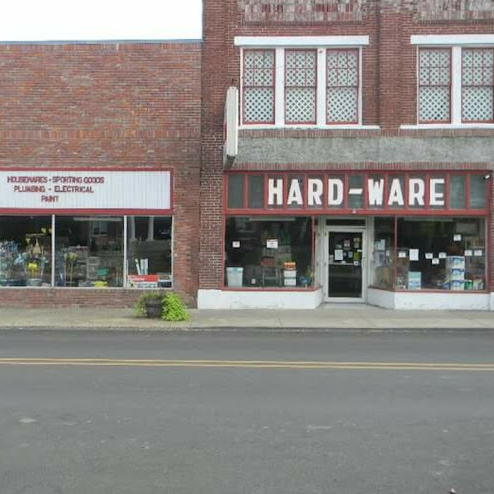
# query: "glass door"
345,260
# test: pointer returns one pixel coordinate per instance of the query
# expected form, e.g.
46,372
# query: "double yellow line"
248,364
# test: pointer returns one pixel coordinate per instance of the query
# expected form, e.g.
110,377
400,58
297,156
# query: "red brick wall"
112,104
389,83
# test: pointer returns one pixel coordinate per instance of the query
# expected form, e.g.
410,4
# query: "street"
230,412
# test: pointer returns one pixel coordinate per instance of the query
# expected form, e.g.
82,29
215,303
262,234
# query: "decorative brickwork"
448,10
302,11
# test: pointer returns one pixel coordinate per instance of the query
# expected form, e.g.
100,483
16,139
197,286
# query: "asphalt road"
246,412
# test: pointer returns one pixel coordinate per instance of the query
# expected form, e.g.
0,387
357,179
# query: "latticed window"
477,85
342,86
300,86
258,86
434,85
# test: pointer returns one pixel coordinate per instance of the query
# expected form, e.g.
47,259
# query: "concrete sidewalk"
346,316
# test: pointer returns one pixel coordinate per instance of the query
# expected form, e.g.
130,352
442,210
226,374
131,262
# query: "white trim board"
452,39
287,41
259,299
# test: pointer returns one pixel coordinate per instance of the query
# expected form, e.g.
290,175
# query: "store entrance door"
345,264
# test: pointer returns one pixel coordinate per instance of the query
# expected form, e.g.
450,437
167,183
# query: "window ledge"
311,127
448,126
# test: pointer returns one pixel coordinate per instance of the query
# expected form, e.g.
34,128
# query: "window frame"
243,85
321,112
359,86
456,43
315,87
420,86
463,120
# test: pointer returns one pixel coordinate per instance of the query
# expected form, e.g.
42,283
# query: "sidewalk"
325,317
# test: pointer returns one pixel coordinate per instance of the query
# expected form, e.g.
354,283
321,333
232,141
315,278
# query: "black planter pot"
154,309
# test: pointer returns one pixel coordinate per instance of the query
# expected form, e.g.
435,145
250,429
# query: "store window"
441,254
269,252
25,251
149,251
89,251
382,265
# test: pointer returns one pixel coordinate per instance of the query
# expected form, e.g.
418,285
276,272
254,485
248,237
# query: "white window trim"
453,39
321,82
447,41
295,41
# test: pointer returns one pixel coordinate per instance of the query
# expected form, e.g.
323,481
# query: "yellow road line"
248,364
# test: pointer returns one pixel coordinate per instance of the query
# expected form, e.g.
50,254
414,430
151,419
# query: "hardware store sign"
85,190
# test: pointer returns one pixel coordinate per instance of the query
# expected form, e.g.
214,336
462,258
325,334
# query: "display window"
149,251
89,251
264,252
444,253
25,251
86,251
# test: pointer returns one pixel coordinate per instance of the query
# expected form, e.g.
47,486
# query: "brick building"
361,168
99,171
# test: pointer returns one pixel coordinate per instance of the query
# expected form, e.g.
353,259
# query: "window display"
89,251
25,251
441,254
149,255
268,252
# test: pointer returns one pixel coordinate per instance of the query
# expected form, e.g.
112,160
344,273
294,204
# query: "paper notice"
477,253
402,255
272,243
429,255
457,237
468,253
414,254
442,255
338,255
236,244
435,261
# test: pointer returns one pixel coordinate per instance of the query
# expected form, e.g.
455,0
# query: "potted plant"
150,304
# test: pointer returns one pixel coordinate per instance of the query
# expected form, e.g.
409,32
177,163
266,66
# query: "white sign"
272,243
95,189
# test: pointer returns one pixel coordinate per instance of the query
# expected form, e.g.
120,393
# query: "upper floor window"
477,85
258,86
455,79
298,81
435,85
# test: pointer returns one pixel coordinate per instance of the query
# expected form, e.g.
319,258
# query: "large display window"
265,252
430,253
86,251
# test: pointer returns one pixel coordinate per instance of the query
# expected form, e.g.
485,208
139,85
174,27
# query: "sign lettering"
398,192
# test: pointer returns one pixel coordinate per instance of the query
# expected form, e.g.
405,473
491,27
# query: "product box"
289,273
455,262
414,280
456,274
457,285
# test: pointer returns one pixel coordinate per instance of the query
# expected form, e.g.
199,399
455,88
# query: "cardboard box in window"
414,280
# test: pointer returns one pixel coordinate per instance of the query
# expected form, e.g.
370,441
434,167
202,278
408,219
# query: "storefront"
86,228
395,239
